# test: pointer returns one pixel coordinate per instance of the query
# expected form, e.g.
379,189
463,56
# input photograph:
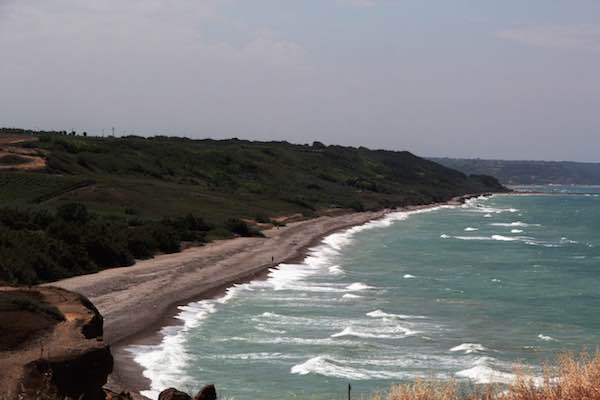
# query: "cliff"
51,345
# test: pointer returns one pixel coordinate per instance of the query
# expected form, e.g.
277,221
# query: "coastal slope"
100,203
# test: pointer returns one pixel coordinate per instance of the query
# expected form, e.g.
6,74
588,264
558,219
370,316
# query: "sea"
471,293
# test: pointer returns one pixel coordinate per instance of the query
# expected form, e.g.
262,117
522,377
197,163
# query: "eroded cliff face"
66,358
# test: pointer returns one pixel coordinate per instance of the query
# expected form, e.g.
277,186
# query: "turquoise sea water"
465,292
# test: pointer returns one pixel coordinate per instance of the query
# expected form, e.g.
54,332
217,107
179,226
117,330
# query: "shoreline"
138,301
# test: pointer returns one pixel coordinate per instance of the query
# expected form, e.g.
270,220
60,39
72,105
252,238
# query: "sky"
508,79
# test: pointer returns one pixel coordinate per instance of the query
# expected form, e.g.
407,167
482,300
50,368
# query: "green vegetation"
529,172
103,202
41,246
20,301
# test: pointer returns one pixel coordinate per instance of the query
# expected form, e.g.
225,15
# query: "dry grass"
573,377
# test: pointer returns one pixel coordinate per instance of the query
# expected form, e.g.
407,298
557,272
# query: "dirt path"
16,158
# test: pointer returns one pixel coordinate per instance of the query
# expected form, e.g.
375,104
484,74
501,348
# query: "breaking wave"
469,348
329,366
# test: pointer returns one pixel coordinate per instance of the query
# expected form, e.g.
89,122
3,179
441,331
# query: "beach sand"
137,301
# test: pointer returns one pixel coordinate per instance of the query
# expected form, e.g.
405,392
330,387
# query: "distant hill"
166,176
528,172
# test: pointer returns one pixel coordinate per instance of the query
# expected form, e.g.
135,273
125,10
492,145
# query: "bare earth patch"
16,158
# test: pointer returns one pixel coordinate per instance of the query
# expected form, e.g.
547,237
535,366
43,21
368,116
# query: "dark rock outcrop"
173,394
208,392
78,376
94,327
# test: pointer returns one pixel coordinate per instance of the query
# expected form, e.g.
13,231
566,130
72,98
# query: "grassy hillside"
528,172
167,176
102,202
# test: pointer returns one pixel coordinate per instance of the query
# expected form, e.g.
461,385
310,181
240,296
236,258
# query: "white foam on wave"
165,362
472,237
504,238
516,231
351,296
286,276
547,338
249,356
397,332
409,276
471,229
444,236
284,321
328,366
483,374
264,329
469,348
484,371
381,314
359,286
285,340
566,240
514,224
336,270
490,210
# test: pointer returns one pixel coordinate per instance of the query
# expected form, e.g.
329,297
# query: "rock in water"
208,392
173,394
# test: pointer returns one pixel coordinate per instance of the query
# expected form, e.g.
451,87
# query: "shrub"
141,243
73,212
167,239
106,244
241,228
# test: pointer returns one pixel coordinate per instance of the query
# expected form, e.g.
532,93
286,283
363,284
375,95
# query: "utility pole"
349,392
113,131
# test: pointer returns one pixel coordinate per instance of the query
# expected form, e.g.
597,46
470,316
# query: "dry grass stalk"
573,377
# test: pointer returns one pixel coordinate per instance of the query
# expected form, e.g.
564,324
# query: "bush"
167,239
141,243
107,245
241,228
237,227
39,246
73,212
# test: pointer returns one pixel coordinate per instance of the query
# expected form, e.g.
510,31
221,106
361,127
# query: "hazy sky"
465,78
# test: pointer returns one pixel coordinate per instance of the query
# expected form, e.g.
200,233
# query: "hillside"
528,172
102,202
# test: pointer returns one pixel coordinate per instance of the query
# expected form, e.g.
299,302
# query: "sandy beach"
137,301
